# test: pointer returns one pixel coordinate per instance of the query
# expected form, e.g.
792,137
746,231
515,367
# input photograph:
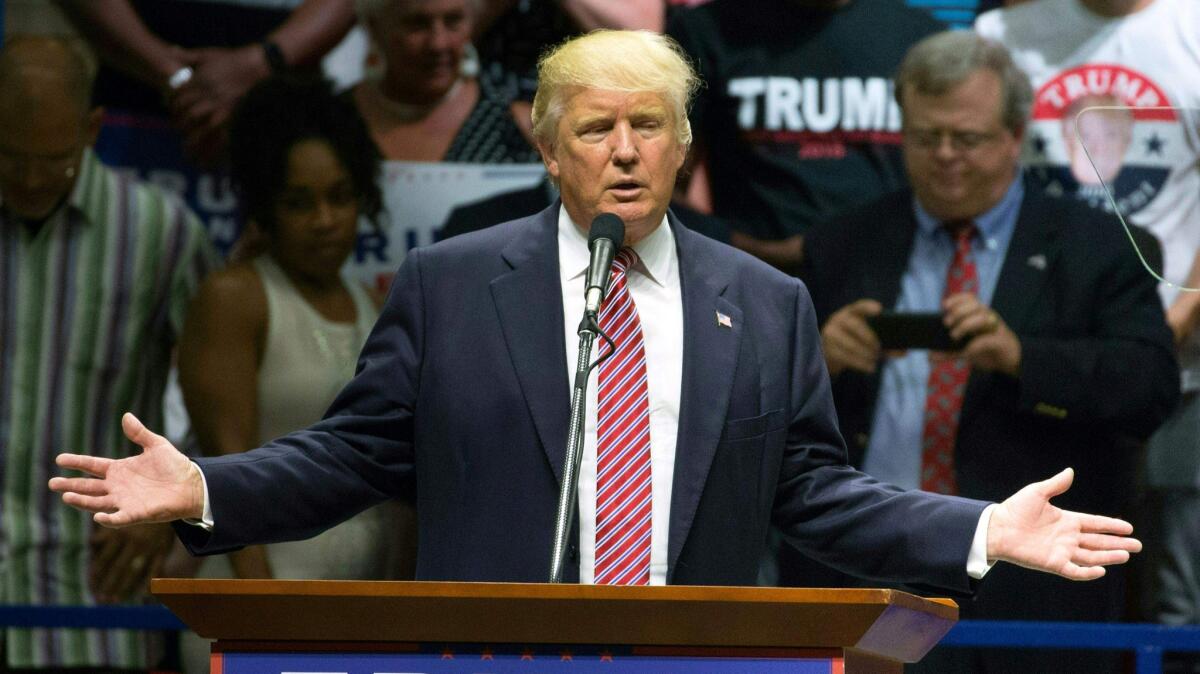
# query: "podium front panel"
230,658
402,627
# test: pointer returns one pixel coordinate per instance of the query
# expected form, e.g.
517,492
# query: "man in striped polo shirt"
95,274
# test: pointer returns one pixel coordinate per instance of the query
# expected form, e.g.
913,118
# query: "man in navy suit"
1066,358
463,390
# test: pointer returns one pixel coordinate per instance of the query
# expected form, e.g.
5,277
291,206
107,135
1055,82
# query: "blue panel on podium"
550,660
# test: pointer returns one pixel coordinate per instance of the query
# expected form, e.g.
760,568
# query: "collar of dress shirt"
91,183
654,251
991,222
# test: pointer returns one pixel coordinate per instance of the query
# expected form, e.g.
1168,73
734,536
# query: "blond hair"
632,61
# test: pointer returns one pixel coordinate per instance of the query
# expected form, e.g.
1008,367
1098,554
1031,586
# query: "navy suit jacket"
462,390
1098,371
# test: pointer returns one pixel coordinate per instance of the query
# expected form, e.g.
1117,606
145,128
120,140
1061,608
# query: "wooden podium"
358,627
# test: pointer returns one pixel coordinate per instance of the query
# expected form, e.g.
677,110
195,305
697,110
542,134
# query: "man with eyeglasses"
95,273
1062,351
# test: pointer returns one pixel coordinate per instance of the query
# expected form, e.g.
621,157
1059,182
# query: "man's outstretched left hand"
1028,531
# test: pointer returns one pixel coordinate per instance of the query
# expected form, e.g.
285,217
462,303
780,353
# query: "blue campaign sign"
151,149
418,196
521,662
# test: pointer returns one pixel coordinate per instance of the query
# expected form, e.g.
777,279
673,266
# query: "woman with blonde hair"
425,105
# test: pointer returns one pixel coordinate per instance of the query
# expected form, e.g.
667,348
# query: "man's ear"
92,124
549,159
683,156
1019,137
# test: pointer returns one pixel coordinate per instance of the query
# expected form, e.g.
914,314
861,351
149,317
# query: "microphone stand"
568,493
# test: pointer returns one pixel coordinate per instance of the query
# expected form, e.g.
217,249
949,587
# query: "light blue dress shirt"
894,449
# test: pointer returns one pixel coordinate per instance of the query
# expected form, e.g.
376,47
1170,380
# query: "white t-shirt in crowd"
1149,158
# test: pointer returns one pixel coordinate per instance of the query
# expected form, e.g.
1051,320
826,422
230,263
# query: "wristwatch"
274,54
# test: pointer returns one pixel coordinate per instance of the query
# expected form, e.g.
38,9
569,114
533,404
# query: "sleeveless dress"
305,362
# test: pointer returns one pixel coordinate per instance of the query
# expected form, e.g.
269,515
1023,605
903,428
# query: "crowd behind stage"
190,189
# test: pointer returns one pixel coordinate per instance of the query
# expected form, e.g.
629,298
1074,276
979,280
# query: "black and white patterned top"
489,135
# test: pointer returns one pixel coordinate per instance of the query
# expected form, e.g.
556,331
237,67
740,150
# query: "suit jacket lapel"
881,264
1027,267
535,338
1031,254
885,255
709,360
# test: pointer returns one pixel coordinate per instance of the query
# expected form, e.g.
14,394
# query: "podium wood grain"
879,623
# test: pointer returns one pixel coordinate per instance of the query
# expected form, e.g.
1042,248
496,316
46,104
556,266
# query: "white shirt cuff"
977,561
206,519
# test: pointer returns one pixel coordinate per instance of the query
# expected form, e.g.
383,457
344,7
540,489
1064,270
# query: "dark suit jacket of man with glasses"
1096,378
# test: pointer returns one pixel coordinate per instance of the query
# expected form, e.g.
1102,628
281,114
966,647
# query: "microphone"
604,240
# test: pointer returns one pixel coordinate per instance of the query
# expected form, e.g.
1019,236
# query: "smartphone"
899,331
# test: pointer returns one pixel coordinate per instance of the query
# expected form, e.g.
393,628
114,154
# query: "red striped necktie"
622,441
947,378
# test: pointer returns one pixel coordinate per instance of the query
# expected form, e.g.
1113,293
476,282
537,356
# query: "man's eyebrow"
586,118
641,112
648,111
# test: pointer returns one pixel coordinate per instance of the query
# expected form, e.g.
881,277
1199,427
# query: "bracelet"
274,54
179,78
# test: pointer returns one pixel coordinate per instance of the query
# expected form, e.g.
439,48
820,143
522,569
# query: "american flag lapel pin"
723,321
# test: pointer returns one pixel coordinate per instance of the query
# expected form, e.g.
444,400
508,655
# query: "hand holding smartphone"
900,331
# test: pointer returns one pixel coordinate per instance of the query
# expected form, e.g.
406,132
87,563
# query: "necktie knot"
962,231
626,258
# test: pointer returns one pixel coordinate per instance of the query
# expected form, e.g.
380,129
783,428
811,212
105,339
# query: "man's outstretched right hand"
158,485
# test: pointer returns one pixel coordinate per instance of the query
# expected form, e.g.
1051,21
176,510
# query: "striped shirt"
90,304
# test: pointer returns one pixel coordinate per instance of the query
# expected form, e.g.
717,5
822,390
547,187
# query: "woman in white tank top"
269,342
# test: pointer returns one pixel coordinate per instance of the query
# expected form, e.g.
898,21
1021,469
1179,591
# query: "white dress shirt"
653,283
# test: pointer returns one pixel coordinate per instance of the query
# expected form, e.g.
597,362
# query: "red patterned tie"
622,441
947,379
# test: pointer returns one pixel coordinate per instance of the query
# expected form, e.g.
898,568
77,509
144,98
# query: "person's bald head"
45,122
34,69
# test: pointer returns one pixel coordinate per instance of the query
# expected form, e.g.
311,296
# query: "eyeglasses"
960,141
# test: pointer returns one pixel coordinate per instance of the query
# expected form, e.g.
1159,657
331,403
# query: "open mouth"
625,188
